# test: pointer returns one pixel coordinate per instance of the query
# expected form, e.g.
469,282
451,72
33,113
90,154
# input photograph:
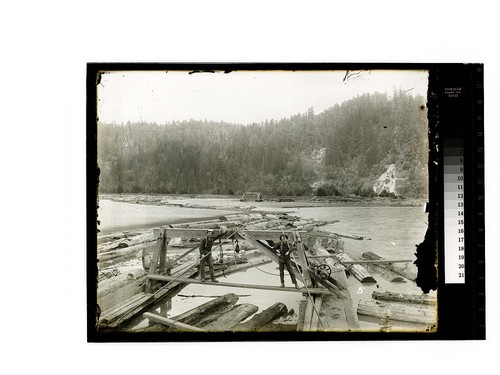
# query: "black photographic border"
461,307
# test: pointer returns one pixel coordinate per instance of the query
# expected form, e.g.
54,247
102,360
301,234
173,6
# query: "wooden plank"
112,299
139,306
238,285
308,315
315,320
110,314
171,323
127,311
301,314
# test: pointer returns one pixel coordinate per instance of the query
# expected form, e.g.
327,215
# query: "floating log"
397,269
194,316
397,311
359,272
400,297
387,274
171,323
259,320
234,316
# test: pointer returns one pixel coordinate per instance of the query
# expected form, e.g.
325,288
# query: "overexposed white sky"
241,96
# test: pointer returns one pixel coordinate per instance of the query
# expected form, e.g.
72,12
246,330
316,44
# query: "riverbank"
213,201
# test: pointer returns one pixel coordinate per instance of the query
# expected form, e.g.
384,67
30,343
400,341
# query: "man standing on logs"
283,252
206,254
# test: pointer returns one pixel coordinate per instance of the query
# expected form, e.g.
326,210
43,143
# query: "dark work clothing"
283,252
205,248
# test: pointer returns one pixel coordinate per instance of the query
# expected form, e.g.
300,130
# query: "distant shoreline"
283,202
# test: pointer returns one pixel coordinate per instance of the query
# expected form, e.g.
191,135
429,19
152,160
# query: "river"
391,232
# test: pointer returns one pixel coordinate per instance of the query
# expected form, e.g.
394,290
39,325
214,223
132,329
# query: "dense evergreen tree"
339,151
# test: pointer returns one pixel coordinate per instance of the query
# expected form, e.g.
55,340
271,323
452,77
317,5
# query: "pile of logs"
221,314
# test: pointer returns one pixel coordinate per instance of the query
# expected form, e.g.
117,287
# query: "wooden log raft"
397,311
259,320
403,271
359,272
399,297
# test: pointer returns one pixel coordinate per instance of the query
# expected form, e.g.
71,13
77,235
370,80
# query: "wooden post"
302,260
163,252
156,255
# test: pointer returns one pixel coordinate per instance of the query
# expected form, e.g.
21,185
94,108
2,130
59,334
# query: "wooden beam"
302,259
377,261
191,233
238,285
171,323
273,235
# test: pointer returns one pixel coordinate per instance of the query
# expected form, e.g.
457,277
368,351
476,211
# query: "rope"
269,273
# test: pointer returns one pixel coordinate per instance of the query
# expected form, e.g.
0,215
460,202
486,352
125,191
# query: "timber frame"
259,239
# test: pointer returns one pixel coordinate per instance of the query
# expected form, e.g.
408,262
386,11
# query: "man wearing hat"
283,251
206,248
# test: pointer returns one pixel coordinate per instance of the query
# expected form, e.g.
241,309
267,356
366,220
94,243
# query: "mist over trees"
340,151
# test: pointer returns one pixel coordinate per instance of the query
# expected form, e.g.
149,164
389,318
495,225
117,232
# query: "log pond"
389,231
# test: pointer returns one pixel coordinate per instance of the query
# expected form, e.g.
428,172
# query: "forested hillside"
340,151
